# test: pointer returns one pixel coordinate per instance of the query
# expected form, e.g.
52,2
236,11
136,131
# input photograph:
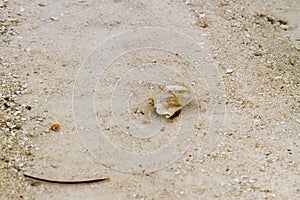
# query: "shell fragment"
172,99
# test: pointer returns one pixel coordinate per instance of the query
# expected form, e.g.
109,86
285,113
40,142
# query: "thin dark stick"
66,181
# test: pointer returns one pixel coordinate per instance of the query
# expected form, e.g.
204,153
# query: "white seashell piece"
172,99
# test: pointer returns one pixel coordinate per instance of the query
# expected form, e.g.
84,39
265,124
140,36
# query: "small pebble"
271,19
284,27
258,53
261,14
55,127
282,21
54,165
35,26
54,18
229,71
35,183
